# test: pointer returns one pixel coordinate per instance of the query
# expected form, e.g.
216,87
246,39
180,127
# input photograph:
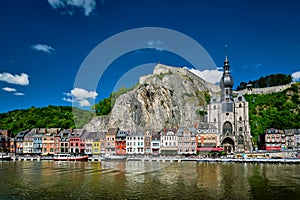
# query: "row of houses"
114,141
276,139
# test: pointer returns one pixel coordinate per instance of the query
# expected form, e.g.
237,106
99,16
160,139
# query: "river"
147,180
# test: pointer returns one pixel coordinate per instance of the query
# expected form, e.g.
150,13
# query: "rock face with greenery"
279,110
45,117
162,100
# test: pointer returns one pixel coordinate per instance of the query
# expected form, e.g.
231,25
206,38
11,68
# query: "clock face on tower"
227,128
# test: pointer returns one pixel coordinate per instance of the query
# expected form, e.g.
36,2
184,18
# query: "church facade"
230,115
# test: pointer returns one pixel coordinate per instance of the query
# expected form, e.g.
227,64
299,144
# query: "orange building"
110,138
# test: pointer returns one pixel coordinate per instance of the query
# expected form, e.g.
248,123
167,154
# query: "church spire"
226,61
226,66
226,82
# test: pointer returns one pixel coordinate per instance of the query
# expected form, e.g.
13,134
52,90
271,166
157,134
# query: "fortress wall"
161,69
268,90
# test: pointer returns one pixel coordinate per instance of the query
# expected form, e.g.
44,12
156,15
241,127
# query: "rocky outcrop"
168,99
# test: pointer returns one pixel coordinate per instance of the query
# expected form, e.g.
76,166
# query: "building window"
241,139
227,128
240,118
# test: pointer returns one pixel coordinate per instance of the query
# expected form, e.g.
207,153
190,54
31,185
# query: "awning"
273,148
207,149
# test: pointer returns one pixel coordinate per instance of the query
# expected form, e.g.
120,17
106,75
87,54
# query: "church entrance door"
228,145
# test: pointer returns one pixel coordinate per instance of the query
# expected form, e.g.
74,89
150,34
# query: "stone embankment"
216,160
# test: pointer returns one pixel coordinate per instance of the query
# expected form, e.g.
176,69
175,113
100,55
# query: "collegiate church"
231,116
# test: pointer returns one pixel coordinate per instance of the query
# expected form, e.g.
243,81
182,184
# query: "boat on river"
4,157
69,157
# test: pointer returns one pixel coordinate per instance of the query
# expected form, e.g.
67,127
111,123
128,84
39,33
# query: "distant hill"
267,81
45,117
280,110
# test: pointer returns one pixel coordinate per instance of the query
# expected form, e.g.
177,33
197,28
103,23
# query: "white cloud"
68,100
212,76
296,76
80,96
15,79
43,47
87,5
19,94
157,45
8,89
84,102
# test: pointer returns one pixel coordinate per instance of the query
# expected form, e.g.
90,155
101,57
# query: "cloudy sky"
46,43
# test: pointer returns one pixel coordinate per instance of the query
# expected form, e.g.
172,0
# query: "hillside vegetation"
277,110
267,81
104,106
45,117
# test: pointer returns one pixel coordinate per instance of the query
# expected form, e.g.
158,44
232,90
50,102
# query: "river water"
147,180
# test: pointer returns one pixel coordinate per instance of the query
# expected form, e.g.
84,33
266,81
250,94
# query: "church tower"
226,83
231,116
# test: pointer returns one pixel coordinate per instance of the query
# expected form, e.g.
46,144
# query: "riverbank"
173,159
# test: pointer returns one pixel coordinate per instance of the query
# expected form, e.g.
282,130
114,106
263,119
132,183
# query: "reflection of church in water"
231,117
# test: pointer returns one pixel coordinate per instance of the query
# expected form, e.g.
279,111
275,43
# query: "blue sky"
44,43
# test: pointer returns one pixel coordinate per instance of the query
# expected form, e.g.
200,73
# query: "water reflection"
147,180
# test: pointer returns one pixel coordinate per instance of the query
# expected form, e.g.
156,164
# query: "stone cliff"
168,98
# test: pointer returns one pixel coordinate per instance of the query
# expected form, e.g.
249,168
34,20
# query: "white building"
168,142
231,116
155,144
135,143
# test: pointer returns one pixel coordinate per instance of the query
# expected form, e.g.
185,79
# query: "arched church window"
215,107
240,139
227,128
240,105
240,118
215,120
241,129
